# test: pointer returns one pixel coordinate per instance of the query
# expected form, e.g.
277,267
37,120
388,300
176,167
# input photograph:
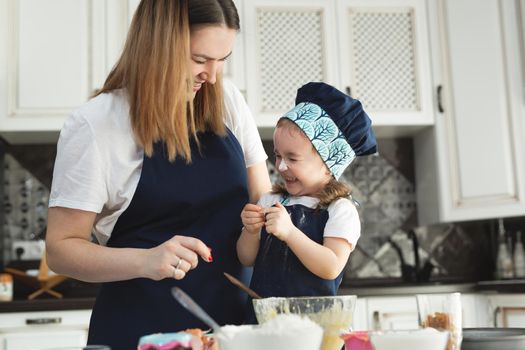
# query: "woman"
158,167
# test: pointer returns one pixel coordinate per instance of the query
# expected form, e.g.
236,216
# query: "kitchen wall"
383,185
26,176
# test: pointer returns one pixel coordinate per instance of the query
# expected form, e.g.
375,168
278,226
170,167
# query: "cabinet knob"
439,102
376,321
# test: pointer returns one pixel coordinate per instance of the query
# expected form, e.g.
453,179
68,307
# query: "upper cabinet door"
384,59
288,43
131,8
54,55
234,67
478,138
48,64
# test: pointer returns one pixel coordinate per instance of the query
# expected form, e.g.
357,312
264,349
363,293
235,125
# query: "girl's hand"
252,217
175,257
279,223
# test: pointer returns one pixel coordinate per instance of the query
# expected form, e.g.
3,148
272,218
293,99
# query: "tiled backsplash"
383,185
25,201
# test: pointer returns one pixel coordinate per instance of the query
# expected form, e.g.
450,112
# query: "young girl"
299,236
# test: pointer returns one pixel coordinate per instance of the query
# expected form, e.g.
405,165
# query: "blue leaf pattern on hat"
307,127
340,151
341,155
321,148
308,111
325,130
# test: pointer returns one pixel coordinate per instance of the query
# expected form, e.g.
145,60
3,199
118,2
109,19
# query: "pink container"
359,340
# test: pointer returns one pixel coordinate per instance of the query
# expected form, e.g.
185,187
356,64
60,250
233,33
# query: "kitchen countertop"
77,295
47,305
407,289
502,286
84,298
395,287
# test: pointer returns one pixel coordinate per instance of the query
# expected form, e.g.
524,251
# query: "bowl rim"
325,297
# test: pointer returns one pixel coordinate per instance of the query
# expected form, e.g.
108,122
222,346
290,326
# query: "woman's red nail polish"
210,259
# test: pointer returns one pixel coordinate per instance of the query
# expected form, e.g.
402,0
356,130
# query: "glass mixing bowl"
333,313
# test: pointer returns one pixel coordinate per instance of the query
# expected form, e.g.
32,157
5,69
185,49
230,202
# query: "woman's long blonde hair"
155,70
332,191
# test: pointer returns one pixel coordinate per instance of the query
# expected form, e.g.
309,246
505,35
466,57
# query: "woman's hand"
175,257
279,223
252,217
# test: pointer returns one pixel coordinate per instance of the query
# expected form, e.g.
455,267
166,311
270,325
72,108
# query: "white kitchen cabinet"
288,43
400,312
475,311
375,50
471,165
234,68
384,59
43,330
130,10
43,340
392,313
508,310
54,54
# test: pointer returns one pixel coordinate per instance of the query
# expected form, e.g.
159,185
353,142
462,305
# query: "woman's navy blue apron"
278,272
203,199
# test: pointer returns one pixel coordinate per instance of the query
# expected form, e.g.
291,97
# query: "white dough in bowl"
284,332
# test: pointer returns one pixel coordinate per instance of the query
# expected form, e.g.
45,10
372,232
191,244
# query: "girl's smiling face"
299,164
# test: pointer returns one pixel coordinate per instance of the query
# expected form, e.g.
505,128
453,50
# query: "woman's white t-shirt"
98,162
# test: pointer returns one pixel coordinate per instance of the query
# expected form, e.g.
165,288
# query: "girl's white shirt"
343,218
98,162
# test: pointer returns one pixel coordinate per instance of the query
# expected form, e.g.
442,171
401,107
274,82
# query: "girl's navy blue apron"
203,199
278,272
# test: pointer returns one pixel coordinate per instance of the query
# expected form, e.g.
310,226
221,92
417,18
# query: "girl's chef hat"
335,123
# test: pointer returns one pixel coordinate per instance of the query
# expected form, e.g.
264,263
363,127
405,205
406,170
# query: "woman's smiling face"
299,164
209,48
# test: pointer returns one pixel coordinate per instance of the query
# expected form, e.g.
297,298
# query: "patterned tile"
388,197
25,201
396,198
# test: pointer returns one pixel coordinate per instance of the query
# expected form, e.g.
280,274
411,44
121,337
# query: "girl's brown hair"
154,68
332,191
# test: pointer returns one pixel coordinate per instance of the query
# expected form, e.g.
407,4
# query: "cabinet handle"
44,320
348,91
376,322
497,310
440,104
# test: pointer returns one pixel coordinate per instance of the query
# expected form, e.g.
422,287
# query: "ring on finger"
178,264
